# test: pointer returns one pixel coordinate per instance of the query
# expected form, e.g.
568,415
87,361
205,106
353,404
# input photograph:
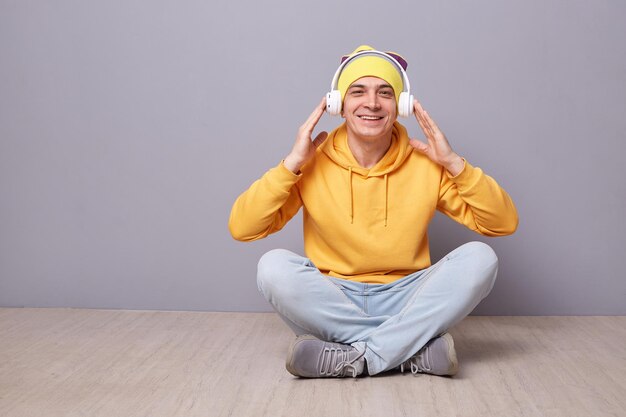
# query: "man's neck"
368,152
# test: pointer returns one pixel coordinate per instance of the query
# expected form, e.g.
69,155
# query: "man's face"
369,107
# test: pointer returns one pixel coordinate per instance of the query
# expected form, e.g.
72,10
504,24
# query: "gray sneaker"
438,357
310,357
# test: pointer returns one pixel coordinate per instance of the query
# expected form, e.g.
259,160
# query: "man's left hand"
438,148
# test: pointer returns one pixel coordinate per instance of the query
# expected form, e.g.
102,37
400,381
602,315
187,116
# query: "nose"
373,100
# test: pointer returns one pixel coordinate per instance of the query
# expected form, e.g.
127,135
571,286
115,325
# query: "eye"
356,92
386,93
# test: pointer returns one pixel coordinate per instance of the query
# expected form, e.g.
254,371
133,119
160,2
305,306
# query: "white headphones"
405,102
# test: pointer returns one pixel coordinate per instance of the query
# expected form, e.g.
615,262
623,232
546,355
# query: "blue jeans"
390,322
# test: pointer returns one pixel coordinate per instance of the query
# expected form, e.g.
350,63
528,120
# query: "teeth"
370,117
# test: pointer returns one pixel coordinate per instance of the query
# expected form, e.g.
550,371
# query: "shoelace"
419,362
336,361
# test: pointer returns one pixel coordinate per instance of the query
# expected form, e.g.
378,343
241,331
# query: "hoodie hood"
337,149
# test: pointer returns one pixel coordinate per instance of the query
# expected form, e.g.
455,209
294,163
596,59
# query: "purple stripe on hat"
395,56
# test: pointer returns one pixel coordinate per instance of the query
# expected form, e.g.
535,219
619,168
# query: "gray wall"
128,128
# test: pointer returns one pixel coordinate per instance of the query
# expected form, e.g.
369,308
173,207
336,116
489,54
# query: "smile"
370,117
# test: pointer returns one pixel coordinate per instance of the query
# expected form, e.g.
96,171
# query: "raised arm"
304,148
273,200
467,194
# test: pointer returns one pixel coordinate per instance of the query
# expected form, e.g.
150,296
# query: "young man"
366,298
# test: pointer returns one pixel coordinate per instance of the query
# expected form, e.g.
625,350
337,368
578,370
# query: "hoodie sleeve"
266,206
476,200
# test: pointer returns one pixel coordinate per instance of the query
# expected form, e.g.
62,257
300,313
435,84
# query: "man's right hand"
304,148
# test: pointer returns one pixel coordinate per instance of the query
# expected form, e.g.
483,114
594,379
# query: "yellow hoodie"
370,225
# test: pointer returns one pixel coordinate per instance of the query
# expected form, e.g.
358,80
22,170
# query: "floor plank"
73,362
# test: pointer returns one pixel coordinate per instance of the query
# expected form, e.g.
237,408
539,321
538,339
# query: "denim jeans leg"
443,295
310,302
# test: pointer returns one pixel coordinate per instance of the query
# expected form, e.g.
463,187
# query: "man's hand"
437,149
304,148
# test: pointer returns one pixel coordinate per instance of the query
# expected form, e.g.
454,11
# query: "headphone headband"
406,86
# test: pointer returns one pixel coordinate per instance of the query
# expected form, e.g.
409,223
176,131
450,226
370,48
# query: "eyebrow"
380,86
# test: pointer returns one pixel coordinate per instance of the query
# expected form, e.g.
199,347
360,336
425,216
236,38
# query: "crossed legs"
387,322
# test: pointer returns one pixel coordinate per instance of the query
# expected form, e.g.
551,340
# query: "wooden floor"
66,362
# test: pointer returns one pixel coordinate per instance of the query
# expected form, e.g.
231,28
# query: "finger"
417,110
431,122
315,116
319,139
438,134
419,145
417,105
423,119
423,124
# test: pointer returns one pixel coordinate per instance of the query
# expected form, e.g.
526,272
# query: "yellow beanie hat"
369,66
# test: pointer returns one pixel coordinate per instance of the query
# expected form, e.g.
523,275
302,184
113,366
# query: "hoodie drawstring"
386,197
351,197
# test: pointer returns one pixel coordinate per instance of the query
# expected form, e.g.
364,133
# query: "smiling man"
366,298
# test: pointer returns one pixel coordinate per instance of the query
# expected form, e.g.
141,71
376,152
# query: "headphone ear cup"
405,104
333,102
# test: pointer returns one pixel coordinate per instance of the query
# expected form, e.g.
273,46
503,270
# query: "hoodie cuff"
467,177
465,164
286,173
